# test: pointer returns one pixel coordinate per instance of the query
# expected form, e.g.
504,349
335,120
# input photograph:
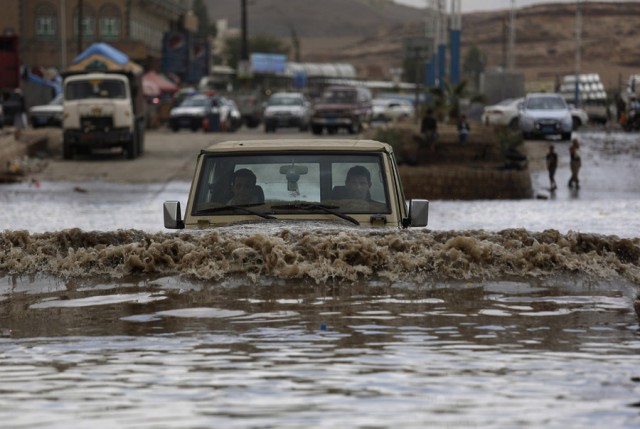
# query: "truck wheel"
67,151
131,148
140,141
355,128
316,129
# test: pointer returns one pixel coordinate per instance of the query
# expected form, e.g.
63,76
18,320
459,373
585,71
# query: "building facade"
51,37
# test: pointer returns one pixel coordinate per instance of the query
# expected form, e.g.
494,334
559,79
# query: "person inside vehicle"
245,190
357,185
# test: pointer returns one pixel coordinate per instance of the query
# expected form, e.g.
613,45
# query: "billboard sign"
268,63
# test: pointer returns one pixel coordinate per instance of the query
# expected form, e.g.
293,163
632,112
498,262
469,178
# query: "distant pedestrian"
463,129
20,116
429,127
552,165
575,163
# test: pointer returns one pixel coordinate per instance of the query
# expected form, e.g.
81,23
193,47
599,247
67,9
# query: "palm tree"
446,99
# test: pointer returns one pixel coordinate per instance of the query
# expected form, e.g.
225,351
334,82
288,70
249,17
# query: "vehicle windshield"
195,102
95,88
285,101
339,96
292,184
546,103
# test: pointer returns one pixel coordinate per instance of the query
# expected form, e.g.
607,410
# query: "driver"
243,185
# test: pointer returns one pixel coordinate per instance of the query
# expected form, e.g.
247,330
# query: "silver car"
544,114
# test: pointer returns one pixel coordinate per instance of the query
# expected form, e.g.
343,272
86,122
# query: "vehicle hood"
46,109
333,106
283,109
188,111
274,226
547,114
89,108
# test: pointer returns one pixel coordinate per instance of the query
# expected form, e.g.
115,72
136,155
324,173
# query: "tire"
566,136
141,135
131,147
316,129
67,150
577,123
514,124
355,128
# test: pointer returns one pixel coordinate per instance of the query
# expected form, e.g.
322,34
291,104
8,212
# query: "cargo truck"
103,103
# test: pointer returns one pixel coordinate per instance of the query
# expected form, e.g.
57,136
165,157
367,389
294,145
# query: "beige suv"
352,181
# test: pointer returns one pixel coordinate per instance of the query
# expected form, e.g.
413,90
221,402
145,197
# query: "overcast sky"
477,5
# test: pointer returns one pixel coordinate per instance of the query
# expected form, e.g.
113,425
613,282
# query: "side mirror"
418,213
172,215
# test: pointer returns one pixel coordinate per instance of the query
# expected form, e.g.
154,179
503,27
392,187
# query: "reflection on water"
170,353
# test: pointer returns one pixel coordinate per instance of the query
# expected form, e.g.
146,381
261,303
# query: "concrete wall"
465,183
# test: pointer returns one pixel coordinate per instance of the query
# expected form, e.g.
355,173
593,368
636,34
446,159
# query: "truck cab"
349,181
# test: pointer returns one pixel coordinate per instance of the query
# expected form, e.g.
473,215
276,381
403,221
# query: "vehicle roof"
299,145
544,94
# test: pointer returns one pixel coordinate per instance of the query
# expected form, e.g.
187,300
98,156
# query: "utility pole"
455,35
511,57
80,17
244,53
63,34
578,51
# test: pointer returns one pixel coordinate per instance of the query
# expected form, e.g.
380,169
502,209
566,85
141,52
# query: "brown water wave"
321,255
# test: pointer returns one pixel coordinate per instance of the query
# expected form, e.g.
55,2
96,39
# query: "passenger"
244,188
357,184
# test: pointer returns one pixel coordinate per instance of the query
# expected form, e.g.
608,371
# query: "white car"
287,109
389,109
504,113
544,114
47,115
579,116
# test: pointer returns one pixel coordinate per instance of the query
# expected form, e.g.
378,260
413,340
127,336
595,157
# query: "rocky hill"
369,34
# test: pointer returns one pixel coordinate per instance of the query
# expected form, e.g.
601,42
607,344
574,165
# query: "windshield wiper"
242,209
321,207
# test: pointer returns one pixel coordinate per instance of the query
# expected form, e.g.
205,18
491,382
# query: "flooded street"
501,314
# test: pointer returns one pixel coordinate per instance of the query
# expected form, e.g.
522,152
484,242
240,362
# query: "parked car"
192,112
504,113
347,107
47,115
287,110
390,109
579,116
543,114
